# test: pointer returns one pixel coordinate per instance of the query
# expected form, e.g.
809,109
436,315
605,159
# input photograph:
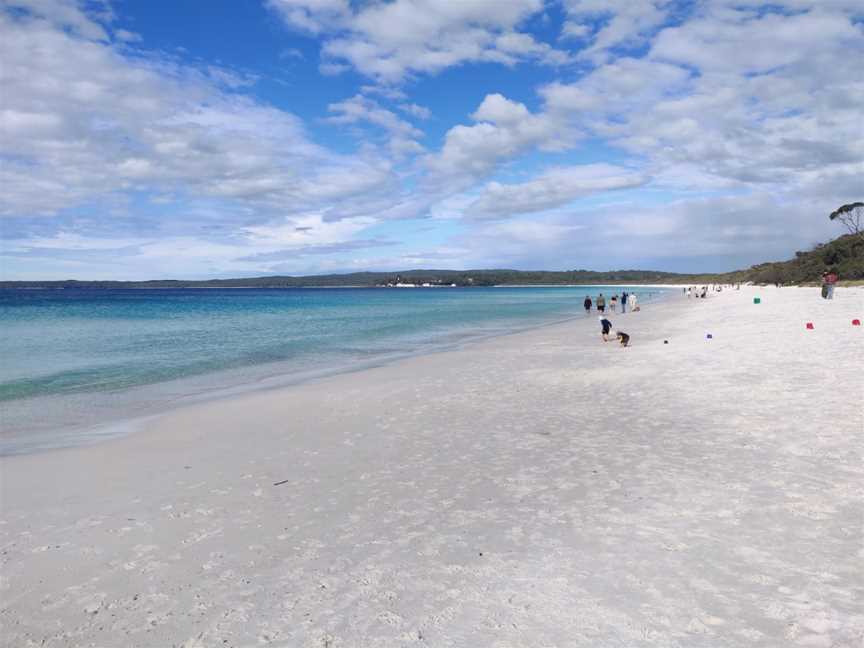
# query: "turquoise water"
75,358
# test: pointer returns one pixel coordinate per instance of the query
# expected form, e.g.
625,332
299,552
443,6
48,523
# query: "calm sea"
76,362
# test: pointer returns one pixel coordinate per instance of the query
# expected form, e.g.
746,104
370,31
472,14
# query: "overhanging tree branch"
852,217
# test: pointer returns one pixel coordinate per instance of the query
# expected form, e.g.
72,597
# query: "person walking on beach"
605,328
601,303
613,303
624,302
631,299
829,279
587,304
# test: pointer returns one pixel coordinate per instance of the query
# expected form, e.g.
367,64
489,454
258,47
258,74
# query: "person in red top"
829,279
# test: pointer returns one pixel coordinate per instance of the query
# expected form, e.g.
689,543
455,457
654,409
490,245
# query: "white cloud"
420,112
389,40
534,233
63,14
312,15
740,43
306,230
504,130
73,241
81,121
522,46
126,36
712,233
627,23
252,250
755,105
619,87
574,30
360,109
731,98
553,188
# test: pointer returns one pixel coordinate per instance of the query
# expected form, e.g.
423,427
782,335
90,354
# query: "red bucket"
809,326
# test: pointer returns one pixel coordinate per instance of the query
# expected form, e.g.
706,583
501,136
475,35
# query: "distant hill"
845,255
371,279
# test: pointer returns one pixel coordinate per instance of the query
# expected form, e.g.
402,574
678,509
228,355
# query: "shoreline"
197,391
541,488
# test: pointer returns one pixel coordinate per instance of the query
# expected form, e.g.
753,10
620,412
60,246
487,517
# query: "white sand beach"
541,489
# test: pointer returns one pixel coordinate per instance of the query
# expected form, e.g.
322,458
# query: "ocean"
78,363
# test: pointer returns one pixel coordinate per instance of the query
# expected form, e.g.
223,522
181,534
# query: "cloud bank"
669,134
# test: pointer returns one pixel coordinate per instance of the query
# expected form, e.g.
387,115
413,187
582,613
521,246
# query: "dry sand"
541,489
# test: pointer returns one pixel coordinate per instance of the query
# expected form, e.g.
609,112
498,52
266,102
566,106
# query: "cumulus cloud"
620,87
359,109
504,129
624,23
553,188
81,120
313,15
419,112
389,40
68,15
731,98
745,43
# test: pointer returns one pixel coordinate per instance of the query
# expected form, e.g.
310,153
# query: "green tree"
852,217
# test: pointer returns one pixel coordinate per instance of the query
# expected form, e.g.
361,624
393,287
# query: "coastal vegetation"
844,255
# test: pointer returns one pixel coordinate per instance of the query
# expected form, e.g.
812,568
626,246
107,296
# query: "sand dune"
539,489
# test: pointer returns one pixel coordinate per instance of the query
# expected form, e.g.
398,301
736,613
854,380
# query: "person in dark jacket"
587,304
605,328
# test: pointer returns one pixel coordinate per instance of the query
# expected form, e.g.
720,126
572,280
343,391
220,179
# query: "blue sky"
184,139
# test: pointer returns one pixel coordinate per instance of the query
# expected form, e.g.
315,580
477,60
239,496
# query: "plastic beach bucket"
757,300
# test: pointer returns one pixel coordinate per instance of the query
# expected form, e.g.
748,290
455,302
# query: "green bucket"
757,300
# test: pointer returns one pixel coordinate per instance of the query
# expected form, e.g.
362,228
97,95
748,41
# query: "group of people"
606,329
626,300
702,293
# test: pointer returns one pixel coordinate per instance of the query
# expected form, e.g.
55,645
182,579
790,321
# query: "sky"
144,139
